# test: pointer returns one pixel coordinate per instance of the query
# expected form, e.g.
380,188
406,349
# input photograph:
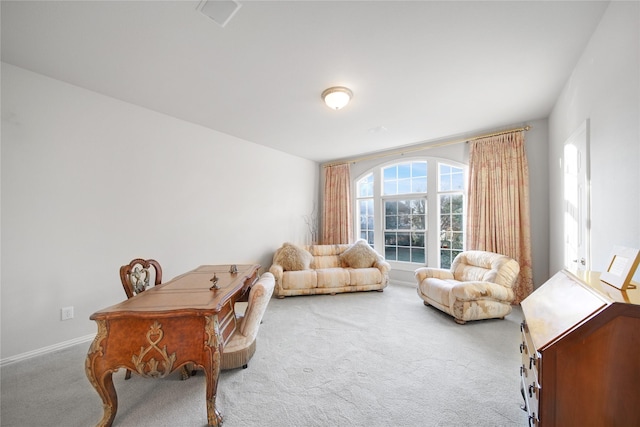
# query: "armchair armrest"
471,291
430,272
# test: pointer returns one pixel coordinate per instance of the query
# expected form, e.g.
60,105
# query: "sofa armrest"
277,271
382,265
471,291
429,272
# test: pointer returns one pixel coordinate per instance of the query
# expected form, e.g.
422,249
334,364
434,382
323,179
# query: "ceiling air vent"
221,11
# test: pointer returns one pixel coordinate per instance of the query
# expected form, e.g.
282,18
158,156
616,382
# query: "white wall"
90,182
604,88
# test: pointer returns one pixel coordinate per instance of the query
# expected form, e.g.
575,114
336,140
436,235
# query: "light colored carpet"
365,359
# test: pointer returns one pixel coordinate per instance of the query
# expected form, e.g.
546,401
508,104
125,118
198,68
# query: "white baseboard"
45,350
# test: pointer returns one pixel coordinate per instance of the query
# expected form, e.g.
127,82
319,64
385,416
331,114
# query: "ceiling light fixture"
337,97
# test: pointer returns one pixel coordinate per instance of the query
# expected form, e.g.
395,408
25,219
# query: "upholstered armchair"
479,285
242,344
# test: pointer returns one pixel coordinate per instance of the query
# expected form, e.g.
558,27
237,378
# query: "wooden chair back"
136,276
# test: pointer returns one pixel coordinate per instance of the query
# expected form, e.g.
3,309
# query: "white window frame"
432,244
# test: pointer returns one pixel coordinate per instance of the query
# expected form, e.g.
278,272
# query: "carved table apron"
162,329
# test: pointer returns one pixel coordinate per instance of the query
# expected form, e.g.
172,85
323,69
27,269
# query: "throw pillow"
293,258
360,255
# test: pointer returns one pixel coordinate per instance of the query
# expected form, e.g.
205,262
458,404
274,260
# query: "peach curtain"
336,216
498,218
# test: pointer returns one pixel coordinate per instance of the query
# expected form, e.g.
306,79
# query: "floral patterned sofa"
479,285
328,269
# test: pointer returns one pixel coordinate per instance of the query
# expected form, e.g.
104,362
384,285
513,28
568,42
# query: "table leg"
213,347
101,378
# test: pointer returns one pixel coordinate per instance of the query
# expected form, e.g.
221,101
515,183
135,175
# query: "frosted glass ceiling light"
337,97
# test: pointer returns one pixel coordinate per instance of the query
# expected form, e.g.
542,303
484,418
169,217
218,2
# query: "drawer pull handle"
531,388
532,362
524,399
521,348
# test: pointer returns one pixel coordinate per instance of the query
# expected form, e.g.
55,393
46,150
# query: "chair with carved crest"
136,278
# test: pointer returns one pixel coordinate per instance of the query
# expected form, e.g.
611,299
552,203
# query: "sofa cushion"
303,279
360,255
364,276
293,258
332,278
327,261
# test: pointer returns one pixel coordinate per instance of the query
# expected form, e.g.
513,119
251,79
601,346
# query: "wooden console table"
580,353
162,329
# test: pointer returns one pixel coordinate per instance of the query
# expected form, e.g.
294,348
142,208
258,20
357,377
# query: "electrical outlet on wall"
66,313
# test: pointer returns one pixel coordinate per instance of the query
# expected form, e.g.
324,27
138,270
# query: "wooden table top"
189,293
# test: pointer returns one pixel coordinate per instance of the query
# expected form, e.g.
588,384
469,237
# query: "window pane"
419,185
405,178
419,169
404,186
418,222
404,239
417,255
404,222
404,254
417,206
451,227
391,208
456,222
450,178
390,188
365,186
404,207
445,259
404,170
458,241
390,239
390,173
445,183
457,204
390,253
365,211
391,222
417,240
457,181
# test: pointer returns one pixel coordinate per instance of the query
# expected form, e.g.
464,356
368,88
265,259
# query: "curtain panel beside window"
336,212
498,216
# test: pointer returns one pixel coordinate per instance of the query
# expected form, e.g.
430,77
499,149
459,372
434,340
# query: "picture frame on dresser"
621,268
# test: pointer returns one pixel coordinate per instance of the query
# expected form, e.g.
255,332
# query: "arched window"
413,211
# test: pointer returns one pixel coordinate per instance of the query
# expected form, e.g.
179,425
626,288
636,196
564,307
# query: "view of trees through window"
450,189
393,206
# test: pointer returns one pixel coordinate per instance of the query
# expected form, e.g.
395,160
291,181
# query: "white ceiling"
419,70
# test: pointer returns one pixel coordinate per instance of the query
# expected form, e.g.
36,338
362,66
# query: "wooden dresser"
581,353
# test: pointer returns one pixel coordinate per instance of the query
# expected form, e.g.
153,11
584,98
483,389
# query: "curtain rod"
426,146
